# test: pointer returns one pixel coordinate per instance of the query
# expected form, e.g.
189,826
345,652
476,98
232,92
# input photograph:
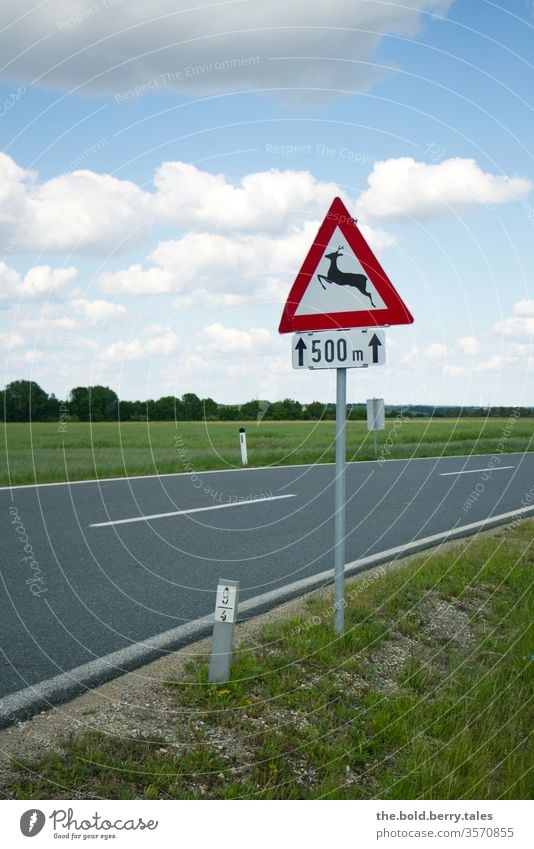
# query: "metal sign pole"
340,498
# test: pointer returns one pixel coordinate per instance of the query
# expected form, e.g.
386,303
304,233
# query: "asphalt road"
88,588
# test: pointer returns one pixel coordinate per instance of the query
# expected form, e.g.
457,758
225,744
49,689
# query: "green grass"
41,452
427,696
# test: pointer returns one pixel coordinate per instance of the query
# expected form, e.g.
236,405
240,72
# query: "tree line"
25,400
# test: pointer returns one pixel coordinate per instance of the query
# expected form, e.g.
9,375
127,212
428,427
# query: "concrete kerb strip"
63,687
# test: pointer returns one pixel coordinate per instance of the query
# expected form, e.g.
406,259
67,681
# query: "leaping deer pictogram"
344,278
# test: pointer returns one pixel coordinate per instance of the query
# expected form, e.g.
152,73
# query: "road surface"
93,568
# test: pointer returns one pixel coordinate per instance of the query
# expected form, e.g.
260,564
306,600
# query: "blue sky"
164,172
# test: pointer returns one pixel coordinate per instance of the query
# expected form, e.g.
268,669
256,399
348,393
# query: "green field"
43,452
428,695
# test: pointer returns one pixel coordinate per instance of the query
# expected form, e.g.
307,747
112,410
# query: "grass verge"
427,696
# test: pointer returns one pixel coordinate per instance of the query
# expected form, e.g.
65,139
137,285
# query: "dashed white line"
192,510
472,471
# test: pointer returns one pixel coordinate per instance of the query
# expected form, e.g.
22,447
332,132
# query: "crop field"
44,452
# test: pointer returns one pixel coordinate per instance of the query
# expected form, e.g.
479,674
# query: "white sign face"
225,603
340,283
339,349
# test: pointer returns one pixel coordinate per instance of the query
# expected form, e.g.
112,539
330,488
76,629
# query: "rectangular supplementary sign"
225,603
339,349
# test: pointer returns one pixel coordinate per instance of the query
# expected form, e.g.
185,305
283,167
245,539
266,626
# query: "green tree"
95,403
192,406
25,401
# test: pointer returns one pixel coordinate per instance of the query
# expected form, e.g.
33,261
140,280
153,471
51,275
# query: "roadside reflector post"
243,445
375,418
340,499
222,644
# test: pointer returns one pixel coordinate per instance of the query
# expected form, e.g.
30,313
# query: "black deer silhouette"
344,278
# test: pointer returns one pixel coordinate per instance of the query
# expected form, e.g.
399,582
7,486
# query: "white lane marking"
472,471
95,672
187,512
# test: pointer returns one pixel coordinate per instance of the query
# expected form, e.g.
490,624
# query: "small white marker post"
375,418
243,444
223,630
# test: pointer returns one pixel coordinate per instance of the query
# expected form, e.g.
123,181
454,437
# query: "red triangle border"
396,311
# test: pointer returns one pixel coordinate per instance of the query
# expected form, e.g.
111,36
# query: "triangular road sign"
341,283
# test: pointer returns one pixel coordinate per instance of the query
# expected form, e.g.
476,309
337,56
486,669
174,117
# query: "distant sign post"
375,417
340,287
223,630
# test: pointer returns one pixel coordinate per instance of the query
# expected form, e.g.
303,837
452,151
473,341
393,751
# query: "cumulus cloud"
494,363
436,351
520,325
468,345
163,342
218,47
89,213
229,340
97,311
38,283
403,187
455,371
270,201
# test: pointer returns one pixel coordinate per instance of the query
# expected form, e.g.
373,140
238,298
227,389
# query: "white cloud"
11,340
136,281
518,326
163,343
403,187
127,48
39,283
468,345
494,363
90,213
229,340
97,311
455,371
436,351
266,201
525,307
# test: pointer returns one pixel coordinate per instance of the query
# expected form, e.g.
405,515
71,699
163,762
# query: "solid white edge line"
472,471
248,469
67,685
243,503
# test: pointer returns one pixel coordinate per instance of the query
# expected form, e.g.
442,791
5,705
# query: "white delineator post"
340,499
243,445
222,644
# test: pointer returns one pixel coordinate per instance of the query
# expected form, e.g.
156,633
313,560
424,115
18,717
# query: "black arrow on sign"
301,347
375,344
